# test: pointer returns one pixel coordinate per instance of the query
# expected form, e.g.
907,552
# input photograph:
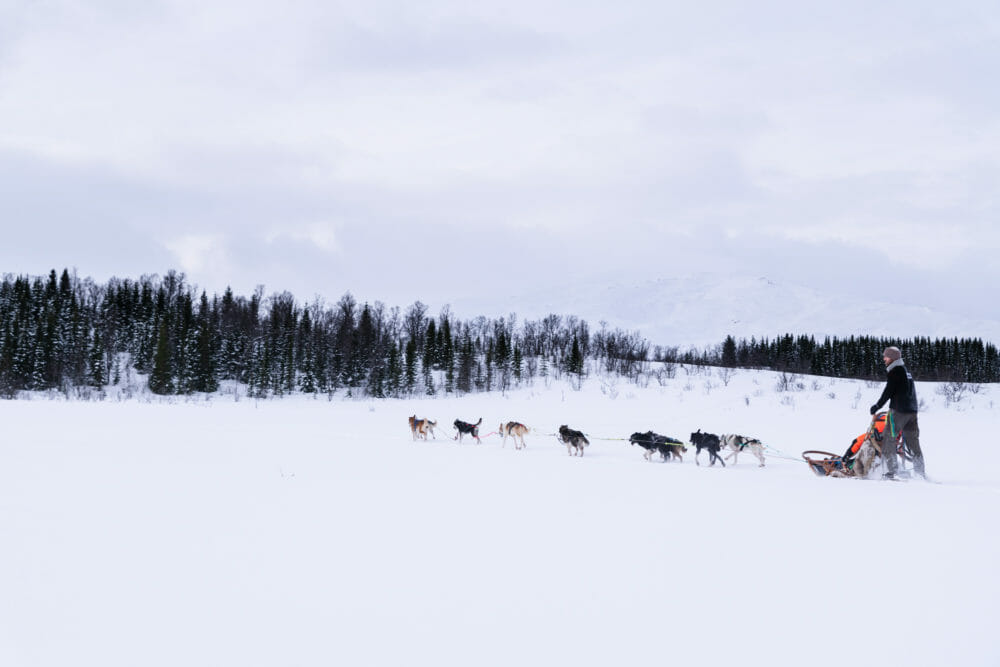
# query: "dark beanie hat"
892,352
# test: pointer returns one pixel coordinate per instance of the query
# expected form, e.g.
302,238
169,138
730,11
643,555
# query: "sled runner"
826,464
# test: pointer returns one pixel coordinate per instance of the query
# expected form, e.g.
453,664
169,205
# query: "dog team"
516,431
575,441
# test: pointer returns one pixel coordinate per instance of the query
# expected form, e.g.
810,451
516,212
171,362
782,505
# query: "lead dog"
654,442
513,430
466,427
575,440
737,443
708,441
421,427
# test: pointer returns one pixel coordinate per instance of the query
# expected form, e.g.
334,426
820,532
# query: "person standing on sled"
902,396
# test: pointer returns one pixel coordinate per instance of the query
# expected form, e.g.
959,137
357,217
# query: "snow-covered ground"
316,532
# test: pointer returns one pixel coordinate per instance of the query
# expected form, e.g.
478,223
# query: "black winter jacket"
899,389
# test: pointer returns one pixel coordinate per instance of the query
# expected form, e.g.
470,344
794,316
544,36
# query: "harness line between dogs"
777,453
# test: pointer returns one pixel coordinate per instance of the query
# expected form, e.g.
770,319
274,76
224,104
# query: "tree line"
860,357
63,332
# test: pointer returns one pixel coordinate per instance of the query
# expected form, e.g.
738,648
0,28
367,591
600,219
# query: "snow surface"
307,531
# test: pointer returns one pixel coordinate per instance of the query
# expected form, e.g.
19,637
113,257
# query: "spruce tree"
161,379
205,377
97,373
431,359
575,362
729,352
411,366
394,380
518,367
466,365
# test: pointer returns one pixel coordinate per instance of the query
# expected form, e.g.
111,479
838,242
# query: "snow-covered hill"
700,310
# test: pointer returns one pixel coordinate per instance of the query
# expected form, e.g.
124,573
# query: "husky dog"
575,440
419,428
737,443
466,427
515,431
654,442
867,458
708,441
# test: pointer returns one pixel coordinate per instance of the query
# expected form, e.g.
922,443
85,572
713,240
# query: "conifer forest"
62,332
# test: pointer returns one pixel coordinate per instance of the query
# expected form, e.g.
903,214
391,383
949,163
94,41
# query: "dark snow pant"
905,423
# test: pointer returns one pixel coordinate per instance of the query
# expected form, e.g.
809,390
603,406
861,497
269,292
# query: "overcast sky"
435,150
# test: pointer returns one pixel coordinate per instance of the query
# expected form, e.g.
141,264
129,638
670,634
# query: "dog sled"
863,457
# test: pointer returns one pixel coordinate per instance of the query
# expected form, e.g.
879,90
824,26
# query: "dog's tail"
478,422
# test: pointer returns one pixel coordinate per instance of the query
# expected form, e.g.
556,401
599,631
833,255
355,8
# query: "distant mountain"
701,310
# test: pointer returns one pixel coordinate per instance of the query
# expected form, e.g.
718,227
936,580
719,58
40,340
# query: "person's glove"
874,409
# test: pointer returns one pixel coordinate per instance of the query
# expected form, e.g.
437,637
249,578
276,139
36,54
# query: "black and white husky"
737,443
466,427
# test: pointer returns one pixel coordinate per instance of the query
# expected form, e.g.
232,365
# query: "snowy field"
309,531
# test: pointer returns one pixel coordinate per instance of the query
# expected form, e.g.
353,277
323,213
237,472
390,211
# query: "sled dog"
419,428
737,443
515,431
654,442
575,440
466,427
708,441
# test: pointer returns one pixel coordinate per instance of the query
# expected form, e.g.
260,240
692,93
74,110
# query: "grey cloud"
593,141
453,44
